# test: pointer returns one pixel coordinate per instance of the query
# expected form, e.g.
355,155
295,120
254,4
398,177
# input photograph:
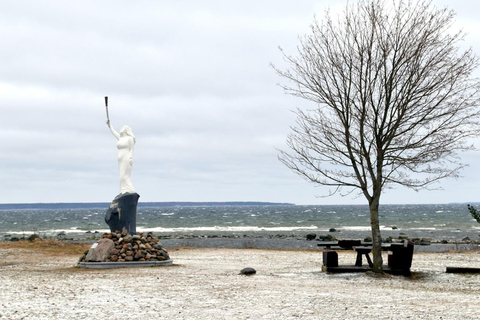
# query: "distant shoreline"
91,205
102,205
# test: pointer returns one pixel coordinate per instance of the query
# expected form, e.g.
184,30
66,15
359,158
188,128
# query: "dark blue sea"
439,221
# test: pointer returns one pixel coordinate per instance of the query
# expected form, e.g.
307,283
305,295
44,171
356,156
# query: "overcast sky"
192,79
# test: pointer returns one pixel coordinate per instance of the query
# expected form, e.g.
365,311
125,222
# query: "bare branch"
396,100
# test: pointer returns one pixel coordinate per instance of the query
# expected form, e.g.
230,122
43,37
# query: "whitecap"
227,228
362,228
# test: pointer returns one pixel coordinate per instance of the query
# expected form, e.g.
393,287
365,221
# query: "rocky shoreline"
257,241
331,236
292,243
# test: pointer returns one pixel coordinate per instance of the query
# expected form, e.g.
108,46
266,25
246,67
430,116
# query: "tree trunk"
376,236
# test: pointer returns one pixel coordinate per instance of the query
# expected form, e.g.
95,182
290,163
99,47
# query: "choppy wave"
228,229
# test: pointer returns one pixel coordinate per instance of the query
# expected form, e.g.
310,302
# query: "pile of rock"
123,247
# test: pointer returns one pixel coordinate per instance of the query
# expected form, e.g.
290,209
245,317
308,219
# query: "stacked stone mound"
123,247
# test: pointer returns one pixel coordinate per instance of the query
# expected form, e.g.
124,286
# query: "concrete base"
133,264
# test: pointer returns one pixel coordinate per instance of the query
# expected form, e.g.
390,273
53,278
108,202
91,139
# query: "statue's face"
123,131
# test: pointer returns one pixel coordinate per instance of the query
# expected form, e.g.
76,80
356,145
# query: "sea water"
436,221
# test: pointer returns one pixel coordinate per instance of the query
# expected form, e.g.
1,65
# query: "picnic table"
399,259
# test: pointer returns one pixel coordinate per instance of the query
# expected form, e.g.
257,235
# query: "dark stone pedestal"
122,213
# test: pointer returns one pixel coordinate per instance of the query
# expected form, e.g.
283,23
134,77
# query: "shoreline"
279,242
293,244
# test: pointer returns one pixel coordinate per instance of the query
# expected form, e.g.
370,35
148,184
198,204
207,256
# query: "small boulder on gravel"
248,271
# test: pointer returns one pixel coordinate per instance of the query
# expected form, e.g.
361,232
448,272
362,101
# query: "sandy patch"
205,283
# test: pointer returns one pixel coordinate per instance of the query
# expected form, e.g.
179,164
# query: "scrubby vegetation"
474,212
50,246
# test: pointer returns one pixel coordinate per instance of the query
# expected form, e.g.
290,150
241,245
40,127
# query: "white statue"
125,144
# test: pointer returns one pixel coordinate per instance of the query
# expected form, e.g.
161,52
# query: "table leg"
370,263
358,263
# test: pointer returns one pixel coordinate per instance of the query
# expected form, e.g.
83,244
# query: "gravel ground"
205,283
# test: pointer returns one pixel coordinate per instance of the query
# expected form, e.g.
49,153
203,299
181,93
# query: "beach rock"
388,239
332,230
311,236
33,237
100,251
248,271
416,241
328,237
425,241
165,254
138,255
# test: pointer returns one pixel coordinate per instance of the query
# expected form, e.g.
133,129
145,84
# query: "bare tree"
395,101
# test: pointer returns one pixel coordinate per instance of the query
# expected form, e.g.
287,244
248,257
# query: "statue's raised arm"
115,133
